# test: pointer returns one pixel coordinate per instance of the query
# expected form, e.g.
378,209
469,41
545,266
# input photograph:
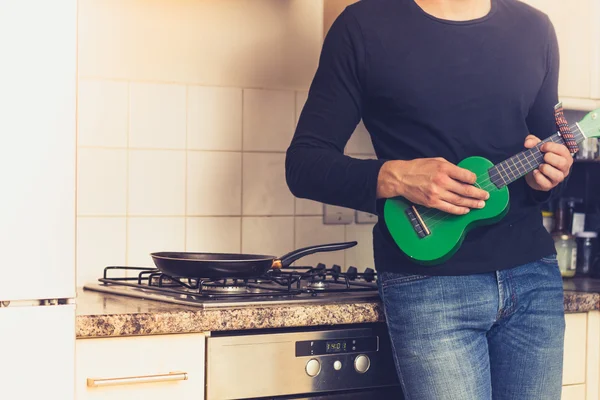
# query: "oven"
350,362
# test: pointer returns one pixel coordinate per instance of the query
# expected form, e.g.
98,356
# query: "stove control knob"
362,363
313,367
337,365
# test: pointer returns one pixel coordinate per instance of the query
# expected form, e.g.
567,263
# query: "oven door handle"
170,377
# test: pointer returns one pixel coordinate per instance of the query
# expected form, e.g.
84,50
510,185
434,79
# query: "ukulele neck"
508,171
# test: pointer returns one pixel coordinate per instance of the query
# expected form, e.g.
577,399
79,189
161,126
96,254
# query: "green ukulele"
430,236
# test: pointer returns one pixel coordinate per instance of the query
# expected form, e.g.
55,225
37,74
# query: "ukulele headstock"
590,124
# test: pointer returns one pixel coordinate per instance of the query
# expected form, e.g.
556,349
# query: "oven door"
348,363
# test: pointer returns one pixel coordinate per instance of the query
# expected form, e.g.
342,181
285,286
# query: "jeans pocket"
396,278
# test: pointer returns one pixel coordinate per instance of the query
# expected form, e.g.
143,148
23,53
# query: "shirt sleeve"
316,167
540,120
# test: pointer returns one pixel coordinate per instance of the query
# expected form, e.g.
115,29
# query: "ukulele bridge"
417,222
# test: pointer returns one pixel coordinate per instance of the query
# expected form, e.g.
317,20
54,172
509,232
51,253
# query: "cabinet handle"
170,377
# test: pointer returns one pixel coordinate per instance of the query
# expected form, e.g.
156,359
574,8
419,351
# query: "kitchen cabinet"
574,392
38,352
581,366
575,349
578,32
158,367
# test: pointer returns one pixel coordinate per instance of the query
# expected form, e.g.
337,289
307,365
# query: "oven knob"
313,367
362,363
337,365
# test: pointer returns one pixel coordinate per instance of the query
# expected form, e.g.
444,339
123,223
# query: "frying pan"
228,265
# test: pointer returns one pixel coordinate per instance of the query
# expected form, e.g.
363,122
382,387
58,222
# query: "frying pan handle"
290,257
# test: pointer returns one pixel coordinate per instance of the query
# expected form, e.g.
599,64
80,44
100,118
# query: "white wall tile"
361,255
101,242
311,231
301,98
149,235
102,182
268,119
214,234
268,235
214,183
265,188
214,118
156,182
157,116
102,113
360,141
308,207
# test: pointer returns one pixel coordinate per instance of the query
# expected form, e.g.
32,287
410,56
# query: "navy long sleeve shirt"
428,87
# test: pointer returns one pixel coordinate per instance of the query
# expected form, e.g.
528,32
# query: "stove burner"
319,285
285,285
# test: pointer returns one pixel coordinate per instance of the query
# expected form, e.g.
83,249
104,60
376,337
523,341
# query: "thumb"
531,141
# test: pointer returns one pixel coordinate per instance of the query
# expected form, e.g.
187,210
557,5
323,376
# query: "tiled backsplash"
196,167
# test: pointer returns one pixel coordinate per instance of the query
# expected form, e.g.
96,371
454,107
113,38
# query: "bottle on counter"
586,251
564,242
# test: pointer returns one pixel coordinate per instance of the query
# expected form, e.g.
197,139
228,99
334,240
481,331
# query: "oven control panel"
337,346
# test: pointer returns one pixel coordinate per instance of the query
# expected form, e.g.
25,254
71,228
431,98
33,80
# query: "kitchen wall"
185,110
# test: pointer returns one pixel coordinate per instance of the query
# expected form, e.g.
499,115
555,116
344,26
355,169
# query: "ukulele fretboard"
523,163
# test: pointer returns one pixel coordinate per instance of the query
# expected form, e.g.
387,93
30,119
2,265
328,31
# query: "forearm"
328,176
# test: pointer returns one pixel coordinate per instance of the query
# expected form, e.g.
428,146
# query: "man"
436,81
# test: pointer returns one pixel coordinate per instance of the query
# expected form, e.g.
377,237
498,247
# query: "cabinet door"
574,392
575,27
147,361
38,39
38,352
575,349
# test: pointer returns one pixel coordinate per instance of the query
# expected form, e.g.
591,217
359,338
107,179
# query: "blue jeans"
496,335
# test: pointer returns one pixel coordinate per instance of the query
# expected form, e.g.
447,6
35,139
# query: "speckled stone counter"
105,315
100,314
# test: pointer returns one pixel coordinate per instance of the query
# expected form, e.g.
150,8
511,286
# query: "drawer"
575,349
573,392
144,367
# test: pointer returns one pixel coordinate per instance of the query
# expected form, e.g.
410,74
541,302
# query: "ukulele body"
447,231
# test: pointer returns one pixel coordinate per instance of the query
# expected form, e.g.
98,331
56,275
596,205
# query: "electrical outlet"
334,215
365,218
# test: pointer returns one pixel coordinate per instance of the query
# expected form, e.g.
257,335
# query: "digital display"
336,347
305,348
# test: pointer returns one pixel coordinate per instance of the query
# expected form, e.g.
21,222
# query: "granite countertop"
107,315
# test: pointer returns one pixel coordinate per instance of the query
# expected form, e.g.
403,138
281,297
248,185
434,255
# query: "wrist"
389,180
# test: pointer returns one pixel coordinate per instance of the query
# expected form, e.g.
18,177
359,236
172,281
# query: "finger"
466,190
557,161
461,174
461,201
556,148
450,208
531,141
554,175
541,180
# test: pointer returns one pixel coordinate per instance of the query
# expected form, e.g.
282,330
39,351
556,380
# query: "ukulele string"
428,216
429,226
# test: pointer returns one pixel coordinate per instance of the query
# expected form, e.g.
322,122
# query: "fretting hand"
556,167
431,182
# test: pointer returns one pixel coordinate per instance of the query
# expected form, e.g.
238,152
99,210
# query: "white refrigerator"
38,98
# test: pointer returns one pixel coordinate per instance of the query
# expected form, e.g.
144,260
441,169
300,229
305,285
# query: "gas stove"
290,285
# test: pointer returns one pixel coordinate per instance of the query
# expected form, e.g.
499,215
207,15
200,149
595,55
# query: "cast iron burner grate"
285,282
